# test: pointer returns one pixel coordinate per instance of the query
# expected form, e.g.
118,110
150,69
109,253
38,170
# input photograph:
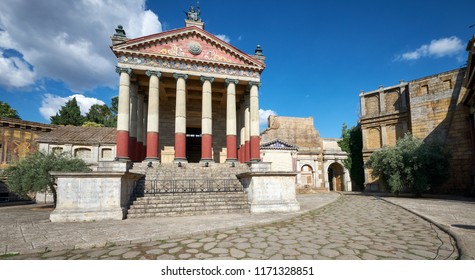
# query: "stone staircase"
192,189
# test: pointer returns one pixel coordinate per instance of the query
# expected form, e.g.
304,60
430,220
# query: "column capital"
205,78
252,83
121,69
234,81
178,75
153,73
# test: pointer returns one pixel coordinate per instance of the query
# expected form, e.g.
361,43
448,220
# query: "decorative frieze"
190,66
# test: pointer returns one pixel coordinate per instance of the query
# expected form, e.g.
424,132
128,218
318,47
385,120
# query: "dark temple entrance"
193,144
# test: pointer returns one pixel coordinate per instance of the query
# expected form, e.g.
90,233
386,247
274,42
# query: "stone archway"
336,176
306,176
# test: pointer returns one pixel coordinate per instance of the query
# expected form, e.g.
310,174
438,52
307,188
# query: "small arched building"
293,144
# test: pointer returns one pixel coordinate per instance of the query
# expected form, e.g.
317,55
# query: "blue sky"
319,54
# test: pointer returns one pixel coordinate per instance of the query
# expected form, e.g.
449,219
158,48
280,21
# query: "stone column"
254,117
362,104
180,118
247,134
139,146
153,116
206,121
144,131
382,105
122,152
383,135
231,144
133,122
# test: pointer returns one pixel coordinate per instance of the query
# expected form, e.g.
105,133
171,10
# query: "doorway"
193,144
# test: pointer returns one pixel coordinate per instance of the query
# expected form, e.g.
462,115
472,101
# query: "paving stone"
243,246
118,252
168,245
209,246
425,254
184,256
175,250
238,254
331,253
98,253
195,245
166,257
155,251
219,251
203,256
131,255
192,251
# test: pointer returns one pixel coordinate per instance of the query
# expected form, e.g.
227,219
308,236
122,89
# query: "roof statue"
194,15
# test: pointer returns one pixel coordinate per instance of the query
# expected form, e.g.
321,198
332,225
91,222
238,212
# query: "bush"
31,174
411,164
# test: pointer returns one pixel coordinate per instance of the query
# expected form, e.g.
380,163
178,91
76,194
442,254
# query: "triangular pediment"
278,144
189,43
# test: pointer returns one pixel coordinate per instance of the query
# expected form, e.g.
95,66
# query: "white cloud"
437,48
264,115
223,37
15,72
51,104
69,40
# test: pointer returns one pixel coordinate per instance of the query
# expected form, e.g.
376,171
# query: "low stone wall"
92,196
270,191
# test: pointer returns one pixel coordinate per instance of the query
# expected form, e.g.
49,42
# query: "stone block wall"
437,114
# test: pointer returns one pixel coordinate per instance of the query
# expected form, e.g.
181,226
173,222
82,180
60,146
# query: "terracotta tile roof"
80,135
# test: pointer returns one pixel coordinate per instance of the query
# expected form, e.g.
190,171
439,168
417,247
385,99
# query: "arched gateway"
187,91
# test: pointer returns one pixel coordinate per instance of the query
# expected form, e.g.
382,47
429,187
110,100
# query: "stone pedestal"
92,196
270,191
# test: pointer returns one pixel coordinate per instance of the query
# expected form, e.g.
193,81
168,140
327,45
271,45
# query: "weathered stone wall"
434,111
17,139
437,114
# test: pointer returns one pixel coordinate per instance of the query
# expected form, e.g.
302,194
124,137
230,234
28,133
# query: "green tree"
352,143
101,114
8,112
92,124
69,114
115,105
31,174
411,165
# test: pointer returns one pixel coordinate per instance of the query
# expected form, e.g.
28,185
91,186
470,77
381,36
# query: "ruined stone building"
431,108
17,139
293,144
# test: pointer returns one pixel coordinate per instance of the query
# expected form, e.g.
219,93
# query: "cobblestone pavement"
353,227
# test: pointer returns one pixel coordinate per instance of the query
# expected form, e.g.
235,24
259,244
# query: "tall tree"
8,112
352,143
69,114
31,174
101,114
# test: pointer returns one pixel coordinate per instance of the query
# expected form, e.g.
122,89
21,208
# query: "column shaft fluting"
123,114
153,116
180,118
139,146
254,129
133,122
206,120
231,139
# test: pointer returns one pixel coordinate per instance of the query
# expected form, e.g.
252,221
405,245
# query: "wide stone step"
190,213
188,208
190,200
188,204
192,197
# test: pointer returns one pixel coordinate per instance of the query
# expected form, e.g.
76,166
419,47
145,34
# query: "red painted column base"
180,147
231,141
255,148
132,150
206,147
152,145
247,152
239,154
122,145
138,149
